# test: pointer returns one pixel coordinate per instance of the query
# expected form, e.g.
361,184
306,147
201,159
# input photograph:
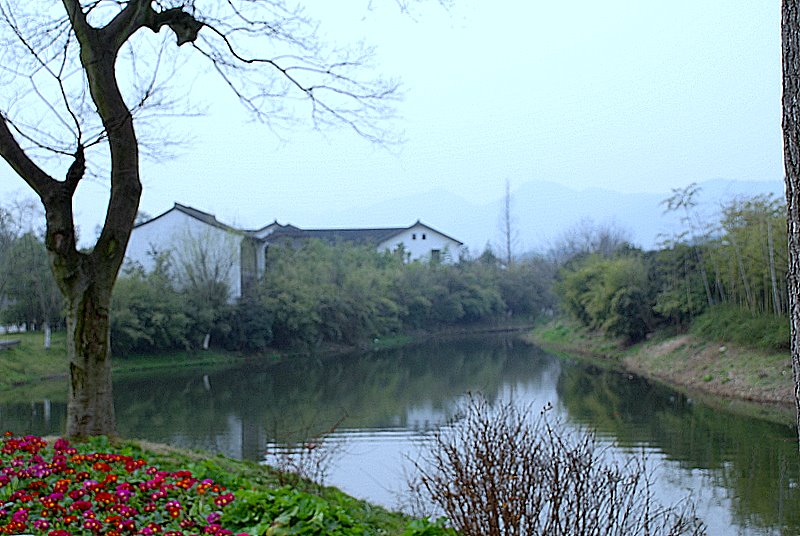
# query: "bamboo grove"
734,265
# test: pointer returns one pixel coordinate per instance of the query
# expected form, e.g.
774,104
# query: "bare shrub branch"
496,472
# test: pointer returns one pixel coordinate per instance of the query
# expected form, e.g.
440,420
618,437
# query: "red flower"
104,497
93,525
80,506
101,466
223,500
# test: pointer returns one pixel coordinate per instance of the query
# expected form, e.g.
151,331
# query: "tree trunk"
790,38
87,279
90,410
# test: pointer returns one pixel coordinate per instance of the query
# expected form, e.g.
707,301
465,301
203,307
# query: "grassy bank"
29,362
735,377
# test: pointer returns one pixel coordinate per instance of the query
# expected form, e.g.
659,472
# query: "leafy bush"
277,511
610,294
148,314
315,292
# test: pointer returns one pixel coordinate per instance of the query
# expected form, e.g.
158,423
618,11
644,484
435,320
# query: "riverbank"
727,376
29,364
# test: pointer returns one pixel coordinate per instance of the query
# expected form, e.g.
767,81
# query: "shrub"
494,472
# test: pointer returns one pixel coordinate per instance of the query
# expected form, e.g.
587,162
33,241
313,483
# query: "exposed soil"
716,369
718,373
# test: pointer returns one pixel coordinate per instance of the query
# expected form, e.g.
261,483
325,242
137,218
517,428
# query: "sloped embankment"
719,373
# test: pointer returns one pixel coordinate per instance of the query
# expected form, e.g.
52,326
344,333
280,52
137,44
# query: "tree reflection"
755,461
238,411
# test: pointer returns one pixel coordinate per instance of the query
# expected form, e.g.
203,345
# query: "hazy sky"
632,95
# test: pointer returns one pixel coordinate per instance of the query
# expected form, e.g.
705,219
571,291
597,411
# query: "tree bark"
86,279
790,40
90,410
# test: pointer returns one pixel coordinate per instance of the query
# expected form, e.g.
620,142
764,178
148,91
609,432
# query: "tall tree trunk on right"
790,39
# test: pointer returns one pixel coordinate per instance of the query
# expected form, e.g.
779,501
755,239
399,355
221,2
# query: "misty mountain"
543,211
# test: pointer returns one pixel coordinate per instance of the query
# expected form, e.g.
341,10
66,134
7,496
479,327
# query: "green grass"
567,337
30,361
731,324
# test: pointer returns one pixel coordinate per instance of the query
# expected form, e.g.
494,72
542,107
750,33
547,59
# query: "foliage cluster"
28,293
734,270
319,293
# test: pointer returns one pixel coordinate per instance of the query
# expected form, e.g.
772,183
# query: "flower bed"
58,491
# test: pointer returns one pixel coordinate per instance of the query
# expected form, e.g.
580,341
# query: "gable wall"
419,248
178,234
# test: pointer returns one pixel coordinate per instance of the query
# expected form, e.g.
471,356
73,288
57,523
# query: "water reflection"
746,470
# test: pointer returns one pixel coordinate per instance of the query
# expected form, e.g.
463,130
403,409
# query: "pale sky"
627,95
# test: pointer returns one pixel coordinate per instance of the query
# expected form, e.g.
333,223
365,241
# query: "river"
376,410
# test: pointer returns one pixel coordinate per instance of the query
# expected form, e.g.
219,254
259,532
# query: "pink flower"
21,515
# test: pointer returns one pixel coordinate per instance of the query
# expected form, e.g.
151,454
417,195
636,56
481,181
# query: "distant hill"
543,211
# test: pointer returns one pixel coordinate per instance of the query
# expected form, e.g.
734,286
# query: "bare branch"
334,95
57,76
16,157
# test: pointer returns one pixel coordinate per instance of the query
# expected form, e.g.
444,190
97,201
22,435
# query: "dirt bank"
720,374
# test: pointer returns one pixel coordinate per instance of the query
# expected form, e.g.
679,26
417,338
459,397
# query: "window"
436,255
414,236
423,236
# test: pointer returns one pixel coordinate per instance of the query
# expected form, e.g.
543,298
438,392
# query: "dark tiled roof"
199,215
373,236
204,217
357,236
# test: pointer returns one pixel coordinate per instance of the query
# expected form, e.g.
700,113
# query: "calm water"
376,410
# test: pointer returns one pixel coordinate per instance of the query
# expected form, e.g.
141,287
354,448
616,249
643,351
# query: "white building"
190,237
239,256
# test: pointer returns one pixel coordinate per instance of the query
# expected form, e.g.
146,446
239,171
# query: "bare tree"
790,39
508,226
586,238
84,79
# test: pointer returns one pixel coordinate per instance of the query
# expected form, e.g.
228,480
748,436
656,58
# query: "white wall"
178,233
418,242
